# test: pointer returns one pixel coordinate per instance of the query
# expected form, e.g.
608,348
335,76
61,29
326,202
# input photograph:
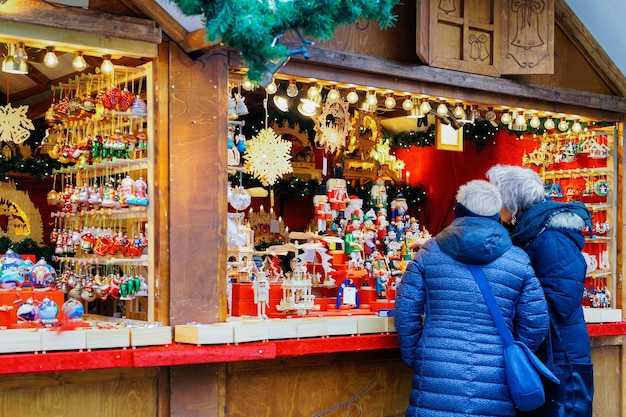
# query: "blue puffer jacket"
551,233
445,329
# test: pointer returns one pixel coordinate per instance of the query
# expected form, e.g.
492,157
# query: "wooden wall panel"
572,69
367,384
107,393
607,379
198,181
195,391
396,43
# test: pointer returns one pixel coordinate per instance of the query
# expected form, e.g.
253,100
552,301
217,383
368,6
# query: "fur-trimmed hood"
569,218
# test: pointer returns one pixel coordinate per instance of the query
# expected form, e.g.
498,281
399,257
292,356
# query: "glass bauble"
27,311
42,274
239,199
47,310
73,309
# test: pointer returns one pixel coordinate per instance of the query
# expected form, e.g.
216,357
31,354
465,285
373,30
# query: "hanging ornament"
14,125
239,198
333,125
268,157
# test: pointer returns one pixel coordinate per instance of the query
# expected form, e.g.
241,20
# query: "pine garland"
38,167
413,138
252,27
26,246
294,187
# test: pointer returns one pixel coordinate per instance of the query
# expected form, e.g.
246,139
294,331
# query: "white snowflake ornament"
267,157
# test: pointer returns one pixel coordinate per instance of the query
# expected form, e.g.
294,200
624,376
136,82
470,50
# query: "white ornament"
268,157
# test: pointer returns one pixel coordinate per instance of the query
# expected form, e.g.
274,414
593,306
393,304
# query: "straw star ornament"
268,157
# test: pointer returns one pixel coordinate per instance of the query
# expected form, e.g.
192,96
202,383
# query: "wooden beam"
70,40
590,48
170,26
188,41
348,68
77,19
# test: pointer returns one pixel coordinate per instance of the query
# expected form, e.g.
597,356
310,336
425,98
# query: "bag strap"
490,299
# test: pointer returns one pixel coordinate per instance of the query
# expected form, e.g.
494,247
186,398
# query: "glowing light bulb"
576,127
390,101
458,111
534,121
20,54
352,97
549,123
407,104
312,92
271,88
506,117
371,98
563,125
50,60
442,109
247,84
292,89
79,62
425,106
107,65
333,94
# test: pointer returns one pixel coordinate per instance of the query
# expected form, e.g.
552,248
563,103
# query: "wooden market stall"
187,86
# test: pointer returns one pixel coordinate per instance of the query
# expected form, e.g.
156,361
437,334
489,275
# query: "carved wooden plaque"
488,37
528,37
462,35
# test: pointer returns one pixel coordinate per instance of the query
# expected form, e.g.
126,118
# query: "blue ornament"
48,311
231,143
27,311
241,145
73,309
11,279
10,261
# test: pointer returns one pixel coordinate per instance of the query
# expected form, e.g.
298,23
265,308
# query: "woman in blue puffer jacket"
551,233
446,332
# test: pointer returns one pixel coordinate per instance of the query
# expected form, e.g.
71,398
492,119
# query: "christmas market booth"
194,221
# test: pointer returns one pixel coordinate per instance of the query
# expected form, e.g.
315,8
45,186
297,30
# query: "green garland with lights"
294,187
253,27
26,246
37,167
413,138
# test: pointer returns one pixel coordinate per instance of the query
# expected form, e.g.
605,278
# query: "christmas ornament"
47,311
268,157
73,309
333,125
14,125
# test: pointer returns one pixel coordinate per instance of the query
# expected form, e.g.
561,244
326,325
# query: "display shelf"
142,260
135,212
113,167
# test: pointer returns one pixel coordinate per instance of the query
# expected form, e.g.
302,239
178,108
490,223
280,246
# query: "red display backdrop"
442,172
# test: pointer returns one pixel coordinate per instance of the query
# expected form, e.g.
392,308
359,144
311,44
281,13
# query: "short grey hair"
521,188
481,197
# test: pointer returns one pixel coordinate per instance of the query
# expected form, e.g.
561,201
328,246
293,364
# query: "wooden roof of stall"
134,23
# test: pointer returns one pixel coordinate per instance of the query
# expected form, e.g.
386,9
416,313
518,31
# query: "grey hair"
521,188
481,197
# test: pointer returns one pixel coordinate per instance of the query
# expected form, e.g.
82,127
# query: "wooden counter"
183,354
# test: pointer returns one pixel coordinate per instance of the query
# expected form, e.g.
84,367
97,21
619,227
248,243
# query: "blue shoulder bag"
522,368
